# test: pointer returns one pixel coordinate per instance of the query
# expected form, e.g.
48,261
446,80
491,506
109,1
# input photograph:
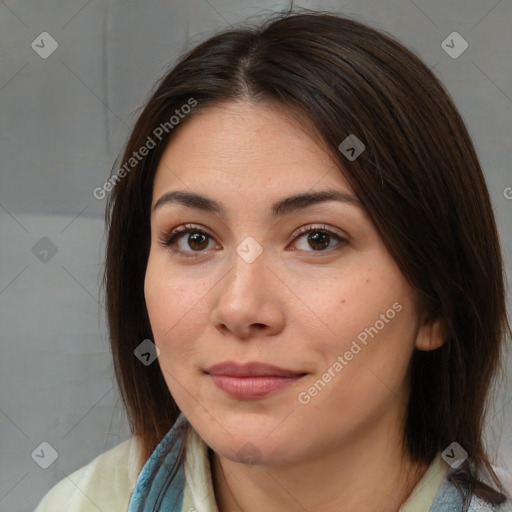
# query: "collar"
177,478
161,482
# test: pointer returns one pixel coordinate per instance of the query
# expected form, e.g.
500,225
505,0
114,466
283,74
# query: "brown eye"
311,239
189,240
198,241
319,240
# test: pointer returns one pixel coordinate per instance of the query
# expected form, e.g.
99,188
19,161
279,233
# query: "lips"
253,369
251,380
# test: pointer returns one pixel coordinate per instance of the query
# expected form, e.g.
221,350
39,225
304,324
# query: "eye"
320,239
197,240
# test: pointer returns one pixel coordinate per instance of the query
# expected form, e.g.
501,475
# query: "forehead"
246,147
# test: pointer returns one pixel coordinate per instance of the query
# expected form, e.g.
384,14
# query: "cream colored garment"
107,482
422,496
199,494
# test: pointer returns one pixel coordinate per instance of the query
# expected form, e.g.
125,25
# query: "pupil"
197,241
318,240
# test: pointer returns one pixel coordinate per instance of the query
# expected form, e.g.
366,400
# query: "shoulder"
105,483
479,505
449,499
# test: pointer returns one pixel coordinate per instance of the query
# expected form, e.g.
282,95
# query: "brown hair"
419,179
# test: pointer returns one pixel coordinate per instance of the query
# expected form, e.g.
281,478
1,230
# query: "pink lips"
251,380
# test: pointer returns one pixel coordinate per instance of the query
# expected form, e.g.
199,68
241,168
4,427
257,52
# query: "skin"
292,307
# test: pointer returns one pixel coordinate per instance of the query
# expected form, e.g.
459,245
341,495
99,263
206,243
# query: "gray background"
63,121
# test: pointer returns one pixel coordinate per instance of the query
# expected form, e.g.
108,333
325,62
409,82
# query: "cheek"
173,304
174,314
370,322
375,359
357,302
174,309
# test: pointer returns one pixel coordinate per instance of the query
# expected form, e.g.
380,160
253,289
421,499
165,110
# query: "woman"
302,227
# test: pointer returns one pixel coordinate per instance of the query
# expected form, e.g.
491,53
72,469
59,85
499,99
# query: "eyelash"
170,240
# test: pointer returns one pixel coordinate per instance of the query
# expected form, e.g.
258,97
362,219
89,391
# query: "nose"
249,300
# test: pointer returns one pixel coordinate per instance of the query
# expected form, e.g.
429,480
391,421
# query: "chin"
244,442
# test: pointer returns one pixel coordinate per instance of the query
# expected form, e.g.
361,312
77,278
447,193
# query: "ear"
431,334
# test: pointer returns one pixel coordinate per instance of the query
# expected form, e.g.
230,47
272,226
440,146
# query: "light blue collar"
161,482
449,499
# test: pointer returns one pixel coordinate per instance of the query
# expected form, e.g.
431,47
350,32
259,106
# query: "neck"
368,473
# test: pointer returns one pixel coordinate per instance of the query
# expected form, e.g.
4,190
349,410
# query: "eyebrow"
280,208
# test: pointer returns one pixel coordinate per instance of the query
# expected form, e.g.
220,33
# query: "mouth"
251,380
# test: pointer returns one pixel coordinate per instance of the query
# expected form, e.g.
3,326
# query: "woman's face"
270,273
